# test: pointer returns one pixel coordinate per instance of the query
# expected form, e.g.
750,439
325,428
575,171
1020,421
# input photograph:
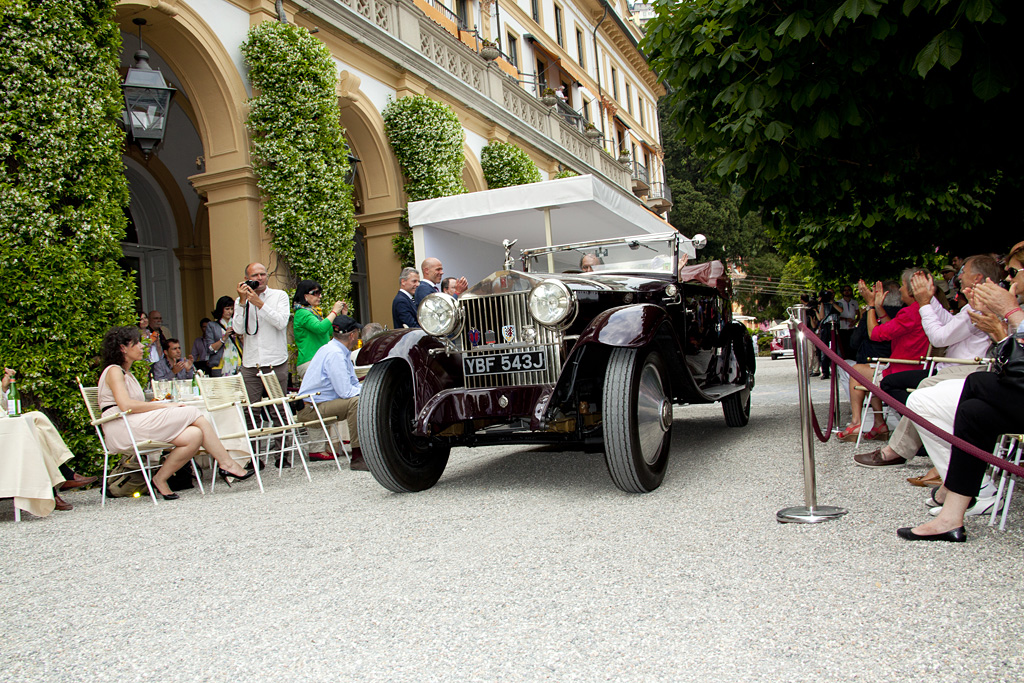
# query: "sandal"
880,433
850,433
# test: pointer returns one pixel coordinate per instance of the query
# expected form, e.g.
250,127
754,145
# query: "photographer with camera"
829,317
261,319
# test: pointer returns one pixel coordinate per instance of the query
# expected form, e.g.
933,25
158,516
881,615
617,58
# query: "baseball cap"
344,324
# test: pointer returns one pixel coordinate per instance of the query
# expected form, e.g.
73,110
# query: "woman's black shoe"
167,496
958,535
225,476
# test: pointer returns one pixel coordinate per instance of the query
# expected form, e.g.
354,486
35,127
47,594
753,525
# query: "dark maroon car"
588,347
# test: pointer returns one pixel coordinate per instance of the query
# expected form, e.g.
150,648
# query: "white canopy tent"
466,231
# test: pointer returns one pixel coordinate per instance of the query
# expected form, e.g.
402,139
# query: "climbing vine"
506,165
427,139
301,155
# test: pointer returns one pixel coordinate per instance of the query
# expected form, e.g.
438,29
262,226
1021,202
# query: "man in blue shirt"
332,374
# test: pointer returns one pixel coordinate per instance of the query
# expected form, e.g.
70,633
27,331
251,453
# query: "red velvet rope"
966,447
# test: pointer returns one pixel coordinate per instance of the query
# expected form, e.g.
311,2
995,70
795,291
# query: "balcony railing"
660,191
638,172
440,7
570,115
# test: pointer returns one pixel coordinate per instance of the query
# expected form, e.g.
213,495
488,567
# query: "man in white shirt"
961,338
261,319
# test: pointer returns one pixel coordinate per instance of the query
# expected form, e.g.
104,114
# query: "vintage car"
781,345
552,355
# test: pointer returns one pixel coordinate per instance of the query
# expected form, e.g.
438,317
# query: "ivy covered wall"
300,154
427,139
62,197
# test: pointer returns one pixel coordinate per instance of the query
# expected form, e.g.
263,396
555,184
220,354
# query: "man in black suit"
403,309
432,274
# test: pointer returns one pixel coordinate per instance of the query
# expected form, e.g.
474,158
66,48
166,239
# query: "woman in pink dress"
175,423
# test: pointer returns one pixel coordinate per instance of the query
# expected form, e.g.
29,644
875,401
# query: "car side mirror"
699,241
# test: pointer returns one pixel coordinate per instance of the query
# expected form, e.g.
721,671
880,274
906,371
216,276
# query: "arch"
209,77
379,177
472,171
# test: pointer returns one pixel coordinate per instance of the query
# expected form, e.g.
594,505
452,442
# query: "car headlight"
438,315
552,304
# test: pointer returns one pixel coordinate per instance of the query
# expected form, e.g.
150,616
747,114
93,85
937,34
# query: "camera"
252,284
826,296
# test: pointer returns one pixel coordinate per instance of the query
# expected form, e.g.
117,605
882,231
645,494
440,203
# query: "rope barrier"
966,447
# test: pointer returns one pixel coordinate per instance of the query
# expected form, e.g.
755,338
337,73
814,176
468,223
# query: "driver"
588,261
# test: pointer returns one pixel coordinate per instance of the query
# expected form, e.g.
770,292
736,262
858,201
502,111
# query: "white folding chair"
142,450
1008,448
283,410
228,394
867,412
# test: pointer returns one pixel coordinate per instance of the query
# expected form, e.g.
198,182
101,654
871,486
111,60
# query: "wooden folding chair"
228,394
286,416
142,449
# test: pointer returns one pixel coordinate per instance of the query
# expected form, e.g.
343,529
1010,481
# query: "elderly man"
588,261
331,381
33,469
261,316
403,309
171,366
431,282
157,334
962,340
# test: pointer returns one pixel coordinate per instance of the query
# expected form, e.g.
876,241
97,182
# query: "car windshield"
654,254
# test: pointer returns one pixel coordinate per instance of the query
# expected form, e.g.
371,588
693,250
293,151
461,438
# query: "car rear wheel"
399,461
737,408
637,419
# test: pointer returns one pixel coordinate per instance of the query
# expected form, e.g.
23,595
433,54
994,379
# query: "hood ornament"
509,261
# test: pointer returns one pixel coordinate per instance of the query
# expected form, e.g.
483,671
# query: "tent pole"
547,236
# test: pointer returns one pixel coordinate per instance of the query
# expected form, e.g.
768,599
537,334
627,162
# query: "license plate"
500,363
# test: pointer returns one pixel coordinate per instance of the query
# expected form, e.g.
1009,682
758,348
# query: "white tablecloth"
31,452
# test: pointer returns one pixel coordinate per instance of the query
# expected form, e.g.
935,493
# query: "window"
586,110
535,10
512,49
640,106
559,33
629,99
542,75
462,12
580,49
615,84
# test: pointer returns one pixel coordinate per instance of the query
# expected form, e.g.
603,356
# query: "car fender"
625,326
431,372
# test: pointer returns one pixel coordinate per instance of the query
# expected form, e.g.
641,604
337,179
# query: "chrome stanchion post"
810,513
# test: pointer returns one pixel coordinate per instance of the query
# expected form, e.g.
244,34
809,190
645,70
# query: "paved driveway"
522,564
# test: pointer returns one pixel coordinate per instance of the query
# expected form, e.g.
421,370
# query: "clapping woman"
311,328
175,423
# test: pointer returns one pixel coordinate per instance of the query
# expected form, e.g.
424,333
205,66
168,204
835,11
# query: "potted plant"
549,98
591,131
624,156
489,51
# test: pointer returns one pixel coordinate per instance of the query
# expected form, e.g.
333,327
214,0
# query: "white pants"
937,404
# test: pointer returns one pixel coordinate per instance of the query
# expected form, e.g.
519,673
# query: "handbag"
1009,357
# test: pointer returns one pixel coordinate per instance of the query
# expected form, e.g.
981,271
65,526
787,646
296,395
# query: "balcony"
638,173
659,198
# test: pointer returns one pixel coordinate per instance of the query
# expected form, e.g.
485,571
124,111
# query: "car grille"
491,313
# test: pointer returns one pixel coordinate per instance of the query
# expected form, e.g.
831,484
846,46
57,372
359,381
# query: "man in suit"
403,308
433,272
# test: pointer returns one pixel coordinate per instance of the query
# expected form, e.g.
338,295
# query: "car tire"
775,356
399,461
737,408
637,419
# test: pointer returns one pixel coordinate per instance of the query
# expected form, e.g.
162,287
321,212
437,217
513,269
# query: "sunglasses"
1012,271
315,292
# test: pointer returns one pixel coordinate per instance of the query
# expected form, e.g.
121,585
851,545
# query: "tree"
301,155
865,130
62,198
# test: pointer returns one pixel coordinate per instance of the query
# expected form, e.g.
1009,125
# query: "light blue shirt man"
331,373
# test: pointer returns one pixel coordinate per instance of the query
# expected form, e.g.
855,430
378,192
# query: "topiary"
62,197
566,173
301,157
506,165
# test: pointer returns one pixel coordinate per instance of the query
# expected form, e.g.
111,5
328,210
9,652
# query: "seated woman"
181,425
909,342
311,328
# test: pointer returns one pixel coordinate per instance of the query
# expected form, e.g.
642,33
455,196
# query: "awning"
466,231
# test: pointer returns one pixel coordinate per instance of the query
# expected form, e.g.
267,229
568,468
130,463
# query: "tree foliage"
62,198
301,155
427,139
853,124
506,165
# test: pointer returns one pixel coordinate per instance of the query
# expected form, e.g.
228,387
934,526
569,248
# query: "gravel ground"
522,564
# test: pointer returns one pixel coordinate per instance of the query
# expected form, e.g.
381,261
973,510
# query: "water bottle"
195,385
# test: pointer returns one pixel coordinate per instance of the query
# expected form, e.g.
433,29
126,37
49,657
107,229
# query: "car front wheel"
736,408
399,461
637,418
